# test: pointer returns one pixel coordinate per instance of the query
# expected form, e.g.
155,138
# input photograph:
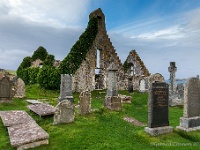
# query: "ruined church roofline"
138,59
97,13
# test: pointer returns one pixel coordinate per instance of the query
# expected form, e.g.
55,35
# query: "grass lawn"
102,129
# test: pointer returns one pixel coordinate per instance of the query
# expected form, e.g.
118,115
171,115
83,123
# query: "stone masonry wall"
84,78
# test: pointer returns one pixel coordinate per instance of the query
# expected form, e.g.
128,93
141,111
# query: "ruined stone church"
92,74
88,63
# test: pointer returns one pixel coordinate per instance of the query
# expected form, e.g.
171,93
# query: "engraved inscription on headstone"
160,105
158,109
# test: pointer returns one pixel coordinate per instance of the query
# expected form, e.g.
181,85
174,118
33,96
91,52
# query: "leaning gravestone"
66,88
191,115
112,101
85,103
64,112
19,88
158,109
5,89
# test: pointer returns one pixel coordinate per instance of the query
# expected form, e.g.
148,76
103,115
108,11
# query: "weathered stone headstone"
130,84
191,116
112,101
64,112
136,82
180,91
19,88
5,89
143,85
157,77
158,109
66,88
85,103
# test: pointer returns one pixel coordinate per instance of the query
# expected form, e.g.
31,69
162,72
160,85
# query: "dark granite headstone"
130,85
158,120
159,116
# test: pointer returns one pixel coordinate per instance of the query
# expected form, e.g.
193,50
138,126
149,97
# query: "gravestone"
42,109
130,84
158,109
85,103
5,89
23,131
19,88
66,88
113,101
143,85
177,99
64,112
125,98
180,91
172,85
157,77
15,117
191,115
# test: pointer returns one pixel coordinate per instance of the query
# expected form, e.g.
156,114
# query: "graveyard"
56,105
102,128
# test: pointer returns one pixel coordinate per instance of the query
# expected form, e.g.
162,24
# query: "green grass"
102,129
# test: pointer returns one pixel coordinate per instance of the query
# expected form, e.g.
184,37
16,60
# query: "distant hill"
178,81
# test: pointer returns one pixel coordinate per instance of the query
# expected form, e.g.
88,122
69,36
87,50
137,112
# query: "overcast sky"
159,30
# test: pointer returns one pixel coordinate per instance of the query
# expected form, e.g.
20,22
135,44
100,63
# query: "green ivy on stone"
79,50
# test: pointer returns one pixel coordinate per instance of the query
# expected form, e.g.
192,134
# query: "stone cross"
172,69
112,80
112,101
66,88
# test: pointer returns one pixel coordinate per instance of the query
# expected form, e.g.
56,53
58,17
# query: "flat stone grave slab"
29,135
42,109
32,101
10,118
134,121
